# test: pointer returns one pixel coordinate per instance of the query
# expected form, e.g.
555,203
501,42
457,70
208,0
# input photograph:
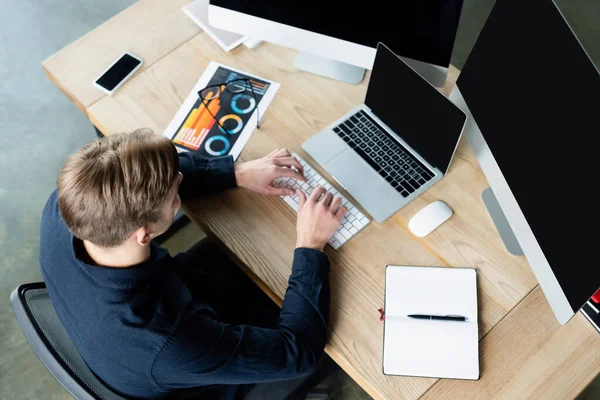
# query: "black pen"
440,317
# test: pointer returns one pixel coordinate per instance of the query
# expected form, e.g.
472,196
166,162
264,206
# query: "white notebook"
431,348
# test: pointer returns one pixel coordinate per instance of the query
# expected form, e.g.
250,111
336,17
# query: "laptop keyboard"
396,165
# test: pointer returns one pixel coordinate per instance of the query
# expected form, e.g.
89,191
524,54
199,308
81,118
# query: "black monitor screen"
535,95
421,30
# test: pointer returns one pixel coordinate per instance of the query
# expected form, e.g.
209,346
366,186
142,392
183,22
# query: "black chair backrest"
53,346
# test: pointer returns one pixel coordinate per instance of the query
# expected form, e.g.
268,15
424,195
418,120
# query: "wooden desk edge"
63,89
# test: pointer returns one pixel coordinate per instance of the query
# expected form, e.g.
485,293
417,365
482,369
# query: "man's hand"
258,175
319,216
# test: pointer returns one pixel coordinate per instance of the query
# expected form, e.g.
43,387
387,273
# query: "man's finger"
301,199
290,173
273,153
275,191
340,213
335,204
326,199
288,162
316,194
282,153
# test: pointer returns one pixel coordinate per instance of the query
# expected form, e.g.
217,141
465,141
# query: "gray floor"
40,127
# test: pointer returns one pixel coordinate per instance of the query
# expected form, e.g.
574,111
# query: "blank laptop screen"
414,109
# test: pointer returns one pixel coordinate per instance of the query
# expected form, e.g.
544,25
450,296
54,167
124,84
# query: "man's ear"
142,236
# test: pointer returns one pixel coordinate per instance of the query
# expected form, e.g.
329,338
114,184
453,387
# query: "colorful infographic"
233,110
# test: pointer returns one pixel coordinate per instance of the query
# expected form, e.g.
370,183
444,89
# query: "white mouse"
429,217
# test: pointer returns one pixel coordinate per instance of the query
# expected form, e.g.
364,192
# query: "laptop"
396,145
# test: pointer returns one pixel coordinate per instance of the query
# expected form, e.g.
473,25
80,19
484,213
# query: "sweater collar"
129,277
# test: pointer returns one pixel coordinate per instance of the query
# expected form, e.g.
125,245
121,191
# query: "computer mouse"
429,217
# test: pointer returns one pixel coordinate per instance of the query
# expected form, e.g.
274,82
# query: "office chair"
53,346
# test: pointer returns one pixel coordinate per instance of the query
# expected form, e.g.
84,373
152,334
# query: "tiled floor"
40,127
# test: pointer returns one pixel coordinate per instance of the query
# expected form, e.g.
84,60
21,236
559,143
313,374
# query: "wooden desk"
524,352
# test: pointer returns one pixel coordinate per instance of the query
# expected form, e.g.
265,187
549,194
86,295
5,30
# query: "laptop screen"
416,111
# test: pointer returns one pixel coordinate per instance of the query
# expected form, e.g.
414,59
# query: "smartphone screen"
111,78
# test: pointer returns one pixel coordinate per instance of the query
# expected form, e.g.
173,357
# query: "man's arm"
203,351
209,175
205,175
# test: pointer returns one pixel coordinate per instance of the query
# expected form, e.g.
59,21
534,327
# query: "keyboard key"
291,201
345,129
345,232
339,237
407,187
354,119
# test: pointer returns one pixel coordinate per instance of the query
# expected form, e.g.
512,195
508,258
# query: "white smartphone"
118,73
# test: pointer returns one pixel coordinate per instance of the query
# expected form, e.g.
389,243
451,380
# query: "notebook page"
431,291
439,349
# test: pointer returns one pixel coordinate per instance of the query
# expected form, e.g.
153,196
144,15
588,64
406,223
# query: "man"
151,325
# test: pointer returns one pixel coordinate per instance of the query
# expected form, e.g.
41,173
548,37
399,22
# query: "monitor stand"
329,68
504,229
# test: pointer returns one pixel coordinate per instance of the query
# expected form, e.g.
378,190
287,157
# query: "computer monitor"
339,39
532,97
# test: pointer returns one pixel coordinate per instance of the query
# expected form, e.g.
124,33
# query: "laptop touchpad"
353,173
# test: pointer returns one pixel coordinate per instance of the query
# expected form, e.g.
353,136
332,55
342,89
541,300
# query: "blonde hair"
116,185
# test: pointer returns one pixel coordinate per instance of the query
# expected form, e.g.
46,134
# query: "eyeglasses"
237,87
